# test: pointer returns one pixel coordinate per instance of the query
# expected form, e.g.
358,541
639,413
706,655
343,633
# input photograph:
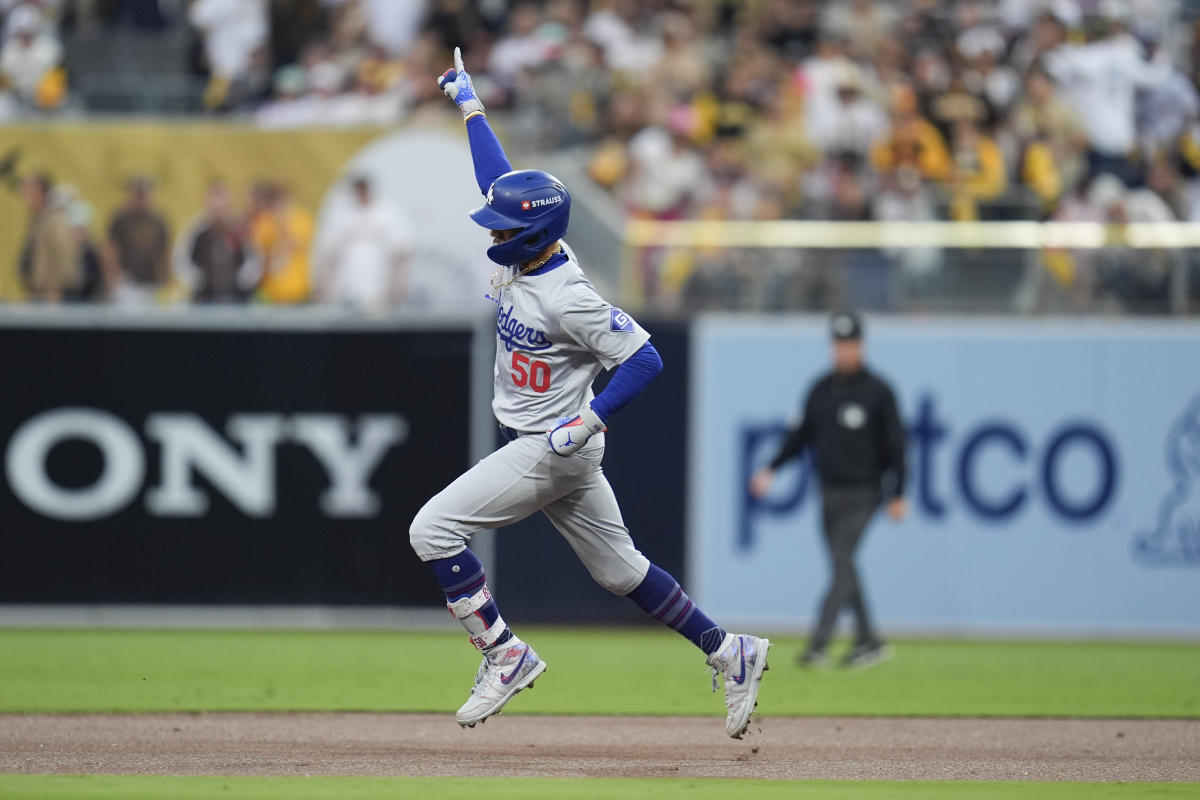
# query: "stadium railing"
1002,267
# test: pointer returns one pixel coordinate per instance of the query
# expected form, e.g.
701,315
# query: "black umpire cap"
845,325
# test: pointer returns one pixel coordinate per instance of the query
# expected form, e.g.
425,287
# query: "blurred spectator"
1116,278
291,106
790,26
1101,79
953,103
666,175
138,243
818,75
212,257
49,266
927,27
1164,111
235,35
1188,162
1137,281
977,176
782,150
853,122
1049,30
1051,141
362,254
982,47
326,80
317,94
684,66
912,141
621,28
522,47
282,233
394,26
905,197
92,286
863,24
375,99
30,58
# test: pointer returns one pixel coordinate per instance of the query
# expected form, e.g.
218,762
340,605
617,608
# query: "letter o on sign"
1106,464
120,478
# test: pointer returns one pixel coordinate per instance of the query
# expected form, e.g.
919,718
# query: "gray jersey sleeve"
605,330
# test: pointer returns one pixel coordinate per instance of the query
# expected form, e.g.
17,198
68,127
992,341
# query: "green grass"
108,787
595,671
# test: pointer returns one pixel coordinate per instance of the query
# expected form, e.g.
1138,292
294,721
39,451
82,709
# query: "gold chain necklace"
525,270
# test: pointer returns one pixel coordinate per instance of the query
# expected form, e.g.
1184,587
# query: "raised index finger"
458,59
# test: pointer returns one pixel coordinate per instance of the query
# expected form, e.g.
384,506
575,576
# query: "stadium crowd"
1083,110
792,108
267,250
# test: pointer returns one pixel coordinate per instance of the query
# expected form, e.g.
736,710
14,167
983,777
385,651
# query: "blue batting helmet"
532,202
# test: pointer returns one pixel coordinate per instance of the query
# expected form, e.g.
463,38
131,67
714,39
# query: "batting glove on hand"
456,84
569,434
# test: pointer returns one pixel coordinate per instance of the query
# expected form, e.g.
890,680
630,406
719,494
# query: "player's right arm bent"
615,340
630,379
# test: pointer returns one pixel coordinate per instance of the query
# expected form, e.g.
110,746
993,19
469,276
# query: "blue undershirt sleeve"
486,152
631,377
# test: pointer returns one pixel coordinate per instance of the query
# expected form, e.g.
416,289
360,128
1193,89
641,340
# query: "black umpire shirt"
853,428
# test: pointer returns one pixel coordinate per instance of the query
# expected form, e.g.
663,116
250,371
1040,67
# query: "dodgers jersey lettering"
554,333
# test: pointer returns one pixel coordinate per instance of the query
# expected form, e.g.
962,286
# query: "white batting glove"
569,434
456,84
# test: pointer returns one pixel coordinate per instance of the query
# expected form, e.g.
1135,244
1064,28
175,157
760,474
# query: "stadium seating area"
747,110
1073,110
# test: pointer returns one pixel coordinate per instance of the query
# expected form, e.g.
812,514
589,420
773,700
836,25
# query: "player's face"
504,235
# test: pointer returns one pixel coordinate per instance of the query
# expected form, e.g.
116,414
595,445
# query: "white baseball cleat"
505,671
742,660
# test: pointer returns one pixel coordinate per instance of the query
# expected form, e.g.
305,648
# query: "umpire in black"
853,429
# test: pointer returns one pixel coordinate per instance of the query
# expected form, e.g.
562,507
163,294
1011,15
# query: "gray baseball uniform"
554,334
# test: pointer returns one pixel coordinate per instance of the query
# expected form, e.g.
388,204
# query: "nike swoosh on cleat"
740,679
507,679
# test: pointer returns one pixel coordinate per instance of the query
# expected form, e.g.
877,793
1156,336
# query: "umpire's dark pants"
846,511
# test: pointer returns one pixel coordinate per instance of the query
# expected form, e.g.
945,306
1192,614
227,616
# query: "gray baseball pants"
525,476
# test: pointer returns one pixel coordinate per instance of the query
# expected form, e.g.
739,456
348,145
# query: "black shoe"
814,659
864,656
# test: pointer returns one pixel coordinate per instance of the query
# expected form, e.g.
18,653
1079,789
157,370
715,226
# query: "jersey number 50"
534,374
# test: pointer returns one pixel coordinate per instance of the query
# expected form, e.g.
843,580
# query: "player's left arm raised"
486,152
616,340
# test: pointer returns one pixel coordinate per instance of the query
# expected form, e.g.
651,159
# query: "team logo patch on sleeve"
621,322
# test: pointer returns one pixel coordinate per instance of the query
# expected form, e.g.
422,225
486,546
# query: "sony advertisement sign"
239,464
225,466
1054,476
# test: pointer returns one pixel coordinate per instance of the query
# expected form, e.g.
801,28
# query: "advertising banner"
1054,476
225,466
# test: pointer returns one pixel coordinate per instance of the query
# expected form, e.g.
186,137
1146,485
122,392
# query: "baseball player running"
554,333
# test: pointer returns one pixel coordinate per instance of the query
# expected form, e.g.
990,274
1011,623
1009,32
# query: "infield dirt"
433,745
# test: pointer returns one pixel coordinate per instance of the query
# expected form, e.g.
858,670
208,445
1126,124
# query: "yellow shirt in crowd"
284,237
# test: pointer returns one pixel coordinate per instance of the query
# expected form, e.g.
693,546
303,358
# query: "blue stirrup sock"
661,596
469,601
